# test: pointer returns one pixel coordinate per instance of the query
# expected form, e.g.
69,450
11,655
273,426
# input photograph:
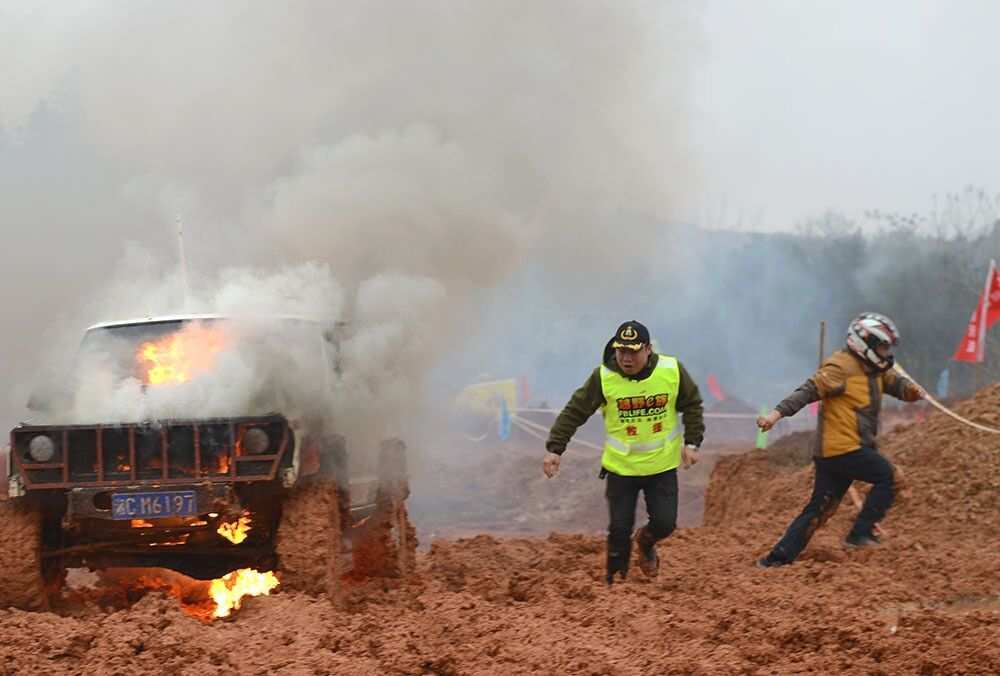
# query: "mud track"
928,602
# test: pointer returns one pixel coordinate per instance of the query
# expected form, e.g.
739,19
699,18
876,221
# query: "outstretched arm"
901,387
829,381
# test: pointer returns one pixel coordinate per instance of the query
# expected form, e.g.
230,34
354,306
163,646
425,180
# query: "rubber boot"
649,562
853,541
617,565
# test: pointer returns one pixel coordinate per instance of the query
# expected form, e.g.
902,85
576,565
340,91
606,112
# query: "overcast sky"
457,144
802,106
795,107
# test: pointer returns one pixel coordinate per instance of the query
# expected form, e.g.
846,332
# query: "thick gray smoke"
262,358
419,153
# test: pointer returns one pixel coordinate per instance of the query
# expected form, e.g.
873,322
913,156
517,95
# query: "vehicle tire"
21,557
308,539
386,545
403,540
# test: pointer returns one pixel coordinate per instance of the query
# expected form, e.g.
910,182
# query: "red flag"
993,302
968,349
972,347
713,387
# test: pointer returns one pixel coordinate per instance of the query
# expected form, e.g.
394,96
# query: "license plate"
153,505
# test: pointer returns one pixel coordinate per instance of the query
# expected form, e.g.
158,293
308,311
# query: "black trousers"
622,492
833,477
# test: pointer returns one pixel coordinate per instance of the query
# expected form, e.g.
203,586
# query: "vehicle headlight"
42,448
256,441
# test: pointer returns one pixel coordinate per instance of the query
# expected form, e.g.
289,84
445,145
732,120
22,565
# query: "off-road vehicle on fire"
270,486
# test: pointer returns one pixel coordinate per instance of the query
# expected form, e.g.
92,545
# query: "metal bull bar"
161,453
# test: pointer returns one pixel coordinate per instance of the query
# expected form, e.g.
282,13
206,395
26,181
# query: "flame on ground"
179,357
204,600
228,591
235,531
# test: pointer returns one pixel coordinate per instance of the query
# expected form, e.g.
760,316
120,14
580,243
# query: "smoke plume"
389,165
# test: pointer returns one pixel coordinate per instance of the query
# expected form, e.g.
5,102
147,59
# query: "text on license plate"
153,505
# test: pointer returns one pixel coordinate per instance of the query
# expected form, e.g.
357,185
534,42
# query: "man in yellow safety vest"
640,394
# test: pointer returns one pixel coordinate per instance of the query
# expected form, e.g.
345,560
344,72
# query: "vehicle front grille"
173,451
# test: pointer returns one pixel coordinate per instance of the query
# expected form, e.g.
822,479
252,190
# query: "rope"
480,438
944,409
527,425
530,423
528,430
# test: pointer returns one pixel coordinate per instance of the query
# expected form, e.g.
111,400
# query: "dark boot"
770,562
853,541
649,562
617,565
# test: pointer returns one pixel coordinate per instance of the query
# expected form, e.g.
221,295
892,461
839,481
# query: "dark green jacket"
586,400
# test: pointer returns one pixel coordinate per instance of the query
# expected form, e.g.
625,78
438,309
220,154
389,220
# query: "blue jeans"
833,477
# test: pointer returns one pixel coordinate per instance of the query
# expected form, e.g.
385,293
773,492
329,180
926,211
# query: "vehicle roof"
196,317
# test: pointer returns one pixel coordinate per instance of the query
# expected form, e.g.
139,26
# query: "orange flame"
179,357
236,531
204,600
228,591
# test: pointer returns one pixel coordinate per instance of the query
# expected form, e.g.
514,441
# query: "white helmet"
867,332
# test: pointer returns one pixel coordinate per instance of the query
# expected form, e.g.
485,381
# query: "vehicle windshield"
155,352
180,350
195,368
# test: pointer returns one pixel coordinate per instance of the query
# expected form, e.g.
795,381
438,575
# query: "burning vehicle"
205,445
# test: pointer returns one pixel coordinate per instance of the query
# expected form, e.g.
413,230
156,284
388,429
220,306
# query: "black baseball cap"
631,335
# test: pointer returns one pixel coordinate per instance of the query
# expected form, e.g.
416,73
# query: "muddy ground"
927,602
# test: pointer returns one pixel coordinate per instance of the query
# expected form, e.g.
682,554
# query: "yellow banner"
485,398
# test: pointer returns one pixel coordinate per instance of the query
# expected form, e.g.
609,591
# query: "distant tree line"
924,270
746,306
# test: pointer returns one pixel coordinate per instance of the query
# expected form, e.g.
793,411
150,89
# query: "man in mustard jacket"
850,385
640,394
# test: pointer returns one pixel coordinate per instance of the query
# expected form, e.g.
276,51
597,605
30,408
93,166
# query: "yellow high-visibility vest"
642,436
